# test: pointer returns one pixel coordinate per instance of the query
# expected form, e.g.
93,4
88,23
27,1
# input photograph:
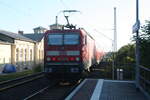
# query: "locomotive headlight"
48,59
77,58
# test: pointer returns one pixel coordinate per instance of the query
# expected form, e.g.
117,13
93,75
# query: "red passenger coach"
68,53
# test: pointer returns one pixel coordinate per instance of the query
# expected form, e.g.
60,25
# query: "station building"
23,50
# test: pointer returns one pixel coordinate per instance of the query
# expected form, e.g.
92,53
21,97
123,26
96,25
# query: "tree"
145,44
145,34
125,55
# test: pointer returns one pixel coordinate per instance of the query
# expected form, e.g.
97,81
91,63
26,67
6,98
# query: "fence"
144,80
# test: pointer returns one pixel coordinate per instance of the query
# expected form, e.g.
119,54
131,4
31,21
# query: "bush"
38,68
12,76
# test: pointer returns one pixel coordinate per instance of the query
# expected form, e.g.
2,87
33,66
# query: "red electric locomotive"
68,53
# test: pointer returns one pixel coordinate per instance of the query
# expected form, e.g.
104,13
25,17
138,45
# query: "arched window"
17,55
30,54
39,55
21,55
25,55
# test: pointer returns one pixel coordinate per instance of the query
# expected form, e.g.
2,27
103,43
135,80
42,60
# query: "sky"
96,16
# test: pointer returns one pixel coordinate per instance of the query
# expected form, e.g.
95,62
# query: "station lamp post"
136,28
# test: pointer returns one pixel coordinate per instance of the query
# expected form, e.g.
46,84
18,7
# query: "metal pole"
114,45
137,52
115,30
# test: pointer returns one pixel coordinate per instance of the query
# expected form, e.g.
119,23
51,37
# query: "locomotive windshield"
71,39
55,39
63,39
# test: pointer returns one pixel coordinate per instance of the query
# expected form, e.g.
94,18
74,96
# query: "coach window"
55,39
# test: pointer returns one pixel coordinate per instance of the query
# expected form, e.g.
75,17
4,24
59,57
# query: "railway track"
59,92
55,92
22,87
12,83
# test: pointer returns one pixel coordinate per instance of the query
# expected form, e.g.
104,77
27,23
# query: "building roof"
56,26
15,36
40,27
35,37
3,42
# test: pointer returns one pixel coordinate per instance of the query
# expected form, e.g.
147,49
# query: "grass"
12,76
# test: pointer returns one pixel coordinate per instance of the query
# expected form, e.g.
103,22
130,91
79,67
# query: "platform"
100,89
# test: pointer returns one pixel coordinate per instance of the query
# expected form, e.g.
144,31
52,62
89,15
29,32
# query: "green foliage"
5,77
145,34
123,59
15,75
108,57
145,44
125,55
144,52
37,68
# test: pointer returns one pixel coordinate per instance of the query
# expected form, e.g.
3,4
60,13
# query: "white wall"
20,54
5,54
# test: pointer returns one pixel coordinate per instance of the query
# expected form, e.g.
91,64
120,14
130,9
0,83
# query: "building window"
30,54
21,56
39,55
25,55
17,55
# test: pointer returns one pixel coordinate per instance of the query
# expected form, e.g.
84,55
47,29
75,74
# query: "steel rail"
20,78
51,87
19,83
36,93
39,91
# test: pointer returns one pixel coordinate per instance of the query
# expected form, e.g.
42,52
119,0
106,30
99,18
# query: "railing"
144,80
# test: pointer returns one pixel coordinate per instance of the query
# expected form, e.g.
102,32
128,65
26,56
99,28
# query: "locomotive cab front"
62,56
